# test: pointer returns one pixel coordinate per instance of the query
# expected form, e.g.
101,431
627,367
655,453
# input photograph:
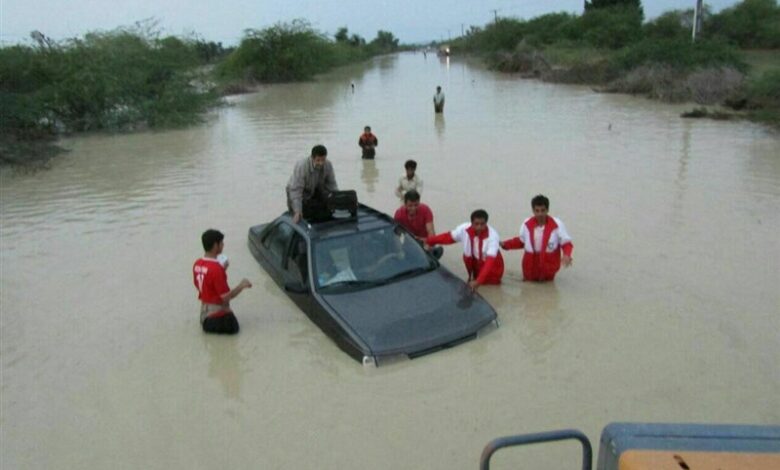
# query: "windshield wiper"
407,273
352,282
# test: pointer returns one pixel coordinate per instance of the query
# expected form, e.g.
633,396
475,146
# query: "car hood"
412,315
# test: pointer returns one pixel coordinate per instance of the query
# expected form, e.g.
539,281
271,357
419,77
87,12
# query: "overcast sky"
225,20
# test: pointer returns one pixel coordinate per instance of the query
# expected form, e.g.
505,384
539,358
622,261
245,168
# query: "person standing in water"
368,142
481,253
438,101
546,242
210,278
408,181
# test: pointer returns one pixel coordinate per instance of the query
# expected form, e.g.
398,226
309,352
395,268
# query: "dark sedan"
369,285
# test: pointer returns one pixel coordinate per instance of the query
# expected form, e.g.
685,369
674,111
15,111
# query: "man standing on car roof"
210,279
481,253
546,242
311,182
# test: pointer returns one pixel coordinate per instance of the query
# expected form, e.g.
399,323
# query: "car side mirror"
295,287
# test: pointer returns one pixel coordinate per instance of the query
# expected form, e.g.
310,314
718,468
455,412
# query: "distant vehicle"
444,51
370,286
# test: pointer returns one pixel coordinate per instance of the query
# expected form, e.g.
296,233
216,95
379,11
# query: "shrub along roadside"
118,80
131,78
294,51
610,47
762,97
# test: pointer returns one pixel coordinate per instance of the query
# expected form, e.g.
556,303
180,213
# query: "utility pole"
462,31
697,20
495,14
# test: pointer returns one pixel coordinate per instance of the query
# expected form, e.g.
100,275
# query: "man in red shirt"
417,218
210,278
481,253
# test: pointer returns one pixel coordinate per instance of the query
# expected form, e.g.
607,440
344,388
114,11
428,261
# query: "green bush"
763,98
680,54
609,27
284,52
675,24
547,29
502,35
766,89
108,80
749,24
294,51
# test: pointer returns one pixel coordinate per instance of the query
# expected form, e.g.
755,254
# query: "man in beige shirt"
313,179
408,181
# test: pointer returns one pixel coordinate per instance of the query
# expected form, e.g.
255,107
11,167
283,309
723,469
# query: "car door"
295,271
276,244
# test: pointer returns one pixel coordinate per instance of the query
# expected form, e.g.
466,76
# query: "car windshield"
369,258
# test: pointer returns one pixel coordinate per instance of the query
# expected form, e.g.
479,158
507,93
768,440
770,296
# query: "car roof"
367,218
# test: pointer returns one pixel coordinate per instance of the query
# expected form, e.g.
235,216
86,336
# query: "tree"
356,41
596,4
385,41
342,35
751,23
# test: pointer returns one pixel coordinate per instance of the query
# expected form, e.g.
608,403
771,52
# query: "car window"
278,239
368,258
297,262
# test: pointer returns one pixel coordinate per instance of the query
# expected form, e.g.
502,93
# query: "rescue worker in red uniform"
481,253
546,242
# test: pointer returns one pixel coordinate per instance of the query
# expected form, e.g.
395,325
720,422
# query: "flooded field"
671,311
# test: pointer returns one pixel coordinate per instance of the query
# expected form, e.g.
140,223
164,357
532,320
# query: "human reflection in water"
226,364
543,318
438,122
369,174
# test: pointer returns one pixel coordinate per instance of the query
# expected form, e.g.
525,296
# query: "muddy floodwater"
670,312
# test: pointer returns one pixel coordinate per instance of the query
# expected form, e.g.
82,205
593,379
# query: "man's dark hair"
410,165
479,214
412,195
540,200
211,237
319,151
367,128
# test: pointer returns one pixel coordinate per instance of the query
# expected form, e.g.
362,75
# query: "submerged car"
370,285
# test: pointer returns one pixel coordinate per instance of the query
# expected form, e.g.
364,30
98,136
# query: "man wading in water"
438,101
210,279
368,142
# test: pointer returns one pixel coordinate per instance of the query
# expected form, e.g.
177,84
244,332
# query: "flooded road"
670,312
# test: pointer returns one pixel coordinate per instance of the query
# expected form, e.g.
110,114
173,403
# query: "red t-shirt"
415,224
210,279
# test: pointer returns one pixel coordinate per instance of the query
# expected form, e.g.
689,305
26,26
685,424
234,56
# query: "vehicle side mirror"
295,287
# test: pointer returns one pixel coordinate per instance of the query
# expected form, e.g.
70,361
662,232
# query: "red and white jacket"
544,265
481,253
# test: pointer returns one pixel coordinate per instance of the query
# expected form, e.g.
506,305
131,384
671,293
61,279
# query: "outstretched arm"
440,239
512,244
228,296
